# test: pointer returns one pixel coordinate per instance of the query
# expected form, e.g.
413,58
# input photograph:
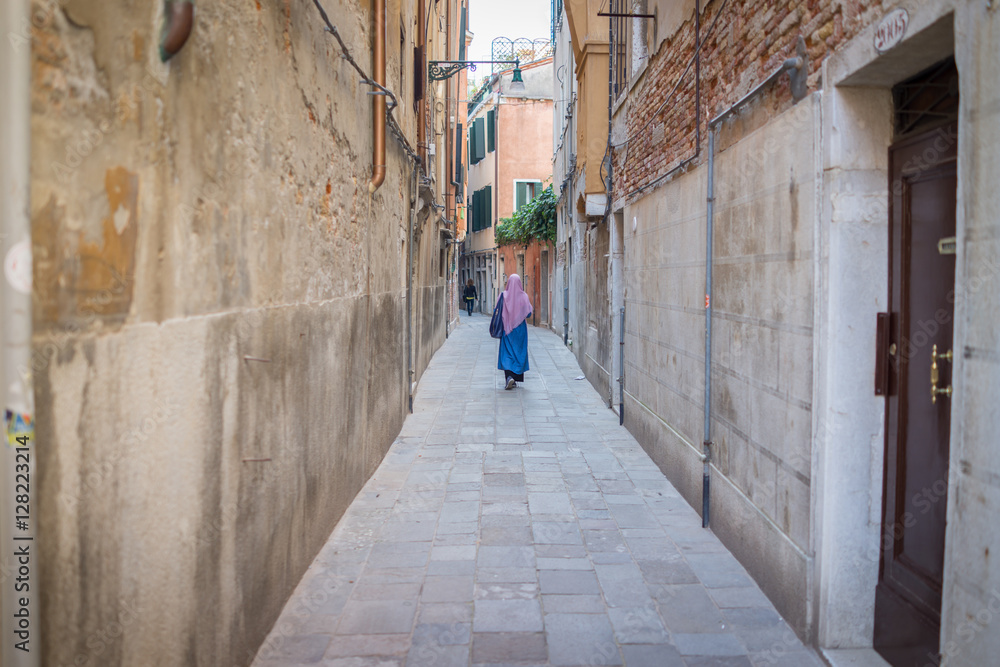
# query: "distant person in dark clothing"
470,296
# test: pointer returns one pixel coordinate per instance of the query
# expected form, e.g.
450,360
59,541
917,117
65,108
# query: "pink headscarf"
516,304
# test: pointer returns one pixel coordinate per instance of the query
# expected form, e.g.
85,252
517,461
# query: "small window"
402,58
481,212
525,191
491,130
477,141
927,99
459,168
619,46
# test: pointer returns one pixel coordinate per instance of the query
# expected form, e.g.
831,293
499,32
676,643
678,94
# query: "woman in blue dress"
513,358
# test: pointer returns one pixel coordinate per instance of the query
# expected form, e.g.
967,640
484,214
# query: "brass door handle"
936,375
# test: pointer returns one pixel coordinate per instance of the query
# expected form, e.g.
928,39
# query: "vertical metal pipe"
709,230
378,101
498,279
621,370
566,310
19,598
414,179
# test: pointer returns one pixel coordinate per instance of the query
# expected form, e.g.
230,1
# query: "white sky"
504,18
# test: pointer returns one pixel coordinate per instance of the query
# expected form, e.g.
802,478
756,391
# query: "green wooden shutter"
478,206
479,131
475,211
461,33
459,168
488,197
470,212
491,130
521,197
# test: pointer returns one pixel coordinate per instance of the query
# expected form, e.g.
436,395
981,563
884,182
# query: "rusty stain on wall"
80,279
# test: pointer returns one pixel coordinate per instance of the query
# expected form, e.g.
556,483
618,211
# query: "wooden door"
918,404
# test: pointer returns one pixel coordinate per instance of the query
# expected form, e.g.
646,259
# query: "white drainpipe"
19,598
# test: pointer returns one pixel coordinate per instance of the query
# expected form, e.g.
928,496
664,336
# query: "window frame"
537,191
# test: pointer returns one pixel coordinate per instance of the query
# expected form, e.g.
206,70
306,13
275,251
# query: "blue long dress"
513,355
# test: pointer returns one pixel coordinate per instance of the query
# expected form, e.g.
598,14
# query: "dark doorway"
923,180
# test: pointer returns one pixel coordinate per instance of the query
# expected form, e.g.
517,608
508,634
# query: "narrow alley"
523,527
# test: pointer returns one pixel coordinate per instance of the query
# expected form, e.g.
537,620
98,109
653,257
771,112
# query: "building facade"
565,112
509,163
242,262
802,236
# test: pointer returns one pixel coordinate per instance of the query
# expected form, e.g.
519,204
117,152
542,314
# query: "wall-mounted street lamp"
439,70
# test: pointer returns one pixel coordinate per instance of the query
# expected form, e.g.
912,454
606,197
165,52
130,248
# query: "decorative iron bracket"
439,70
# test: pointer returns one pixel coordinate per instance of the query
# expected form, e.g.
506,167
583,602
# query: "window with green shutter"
479,143
521,195
478,205
459,167
461,33
525,191
475,211
470,211
491,130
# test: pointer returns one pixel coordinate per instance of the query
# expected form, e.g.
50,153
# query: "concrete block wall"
220,316
762,353
800,272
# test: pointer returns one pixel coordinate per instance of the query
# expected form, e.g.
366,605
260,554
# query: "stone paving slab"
523,527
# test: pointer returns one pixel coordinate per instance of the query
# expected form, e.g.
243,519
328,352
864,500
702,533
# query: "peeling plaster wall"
219,351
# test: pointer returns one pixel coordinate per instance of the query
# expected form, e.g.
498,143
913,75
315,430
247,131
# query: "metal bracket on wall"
799,71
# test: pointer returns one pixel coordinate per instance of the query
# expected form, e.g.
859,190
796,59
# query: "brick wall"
743,42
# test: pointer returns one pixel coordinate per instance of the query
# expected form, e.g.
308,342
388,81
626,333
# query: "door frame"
851,255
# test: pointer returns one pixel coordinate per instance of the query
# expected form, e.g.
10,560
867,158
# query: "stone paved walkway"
523,527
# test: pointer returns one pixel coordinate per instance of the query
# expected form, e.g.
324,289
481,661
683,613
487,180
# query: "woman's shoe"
510,383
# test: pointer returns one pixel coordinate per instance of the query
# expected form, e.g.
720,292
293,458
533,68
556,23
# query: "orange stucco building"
510,161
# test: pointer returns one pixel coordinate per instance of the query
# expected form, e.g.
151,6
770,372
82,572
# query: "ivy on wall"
534,220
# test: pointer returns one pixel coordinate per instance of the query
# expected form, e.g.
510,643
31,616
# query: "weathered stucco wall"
220,316
762,348
971,613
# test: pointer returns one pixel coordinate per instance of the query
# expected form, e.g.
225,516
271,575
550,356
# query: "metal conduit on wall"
798,67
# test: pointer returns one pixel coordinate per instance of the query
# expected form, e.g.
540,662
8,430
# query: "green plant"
534,220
